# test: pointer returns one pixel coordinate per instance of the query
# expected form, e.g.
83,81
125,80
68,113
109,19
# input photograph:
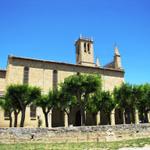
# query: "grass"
77,146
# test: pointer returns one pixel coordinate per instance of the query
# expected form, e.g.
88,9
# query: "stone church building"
47,74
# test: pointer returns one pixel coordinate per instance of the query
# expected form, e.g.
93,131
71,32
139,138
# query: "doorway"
78,118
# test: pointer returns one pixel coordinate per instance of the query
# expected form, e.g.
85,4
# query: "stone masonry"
74,134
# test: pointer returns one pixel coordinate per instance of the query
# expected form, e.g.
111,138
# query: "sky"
47,29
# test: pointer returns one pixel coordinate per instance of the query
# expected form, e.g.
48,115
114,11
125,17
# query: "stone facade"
41,73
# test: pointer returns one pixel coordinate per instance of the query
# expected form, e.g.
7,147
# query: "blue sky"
47,29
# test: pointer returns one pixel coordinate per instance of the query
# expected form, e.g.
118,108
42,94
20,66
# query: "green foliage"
113,145
107,103
20,96
123,95
144,99
66,100
133,96
49,101
137,94
81,86
77,89
81,90
101,101
6,104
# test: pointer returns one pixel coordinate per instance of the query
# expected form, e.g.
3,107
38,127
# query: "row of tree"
84,91
16,99
133,99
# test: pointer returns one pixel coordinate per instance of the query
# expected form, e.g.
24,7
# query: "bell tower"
84,52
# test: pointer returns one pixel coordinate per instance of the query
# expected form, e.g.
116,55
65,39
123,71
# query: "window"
33,112
78,50
84,47
88,48
6,115
77,53
55,79
26,75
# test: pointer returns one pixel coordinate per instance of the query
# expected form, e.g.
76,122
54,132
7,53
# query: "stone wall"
74,134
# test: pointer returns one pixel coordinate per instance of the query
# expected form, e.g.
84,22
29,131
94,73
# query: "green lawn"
77,146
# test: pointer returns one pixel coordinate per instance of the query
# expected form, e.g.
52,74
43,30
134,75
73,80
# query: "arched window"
33,111
77,53
78,50
55,79
84,47
26,75
89,48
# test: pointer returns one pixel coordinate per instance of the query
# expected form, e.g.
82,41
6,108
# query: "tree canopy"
47,103
82,86
22,95
82,90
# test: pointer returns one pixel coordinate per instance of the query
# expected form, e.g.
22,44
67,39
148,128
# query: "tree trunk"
22,117
50,119
112,117
136,116
46,119
15,118
66,119
123,116
148,116
82,116
10,120
98,118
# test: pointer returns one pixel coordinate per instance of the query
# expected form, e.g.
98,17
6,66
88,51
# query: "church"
48,74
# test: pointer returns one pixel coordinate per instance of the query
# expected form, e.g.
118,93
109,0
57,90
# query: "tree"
136,97
7,107
93,104
107,103
14,104
122,96
23,95
148,103
81,86
47,103
144,102
102,101
66,102
10,105
147,96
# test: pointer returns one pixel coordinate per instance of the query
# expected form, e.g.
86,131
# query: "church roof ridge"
63,63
